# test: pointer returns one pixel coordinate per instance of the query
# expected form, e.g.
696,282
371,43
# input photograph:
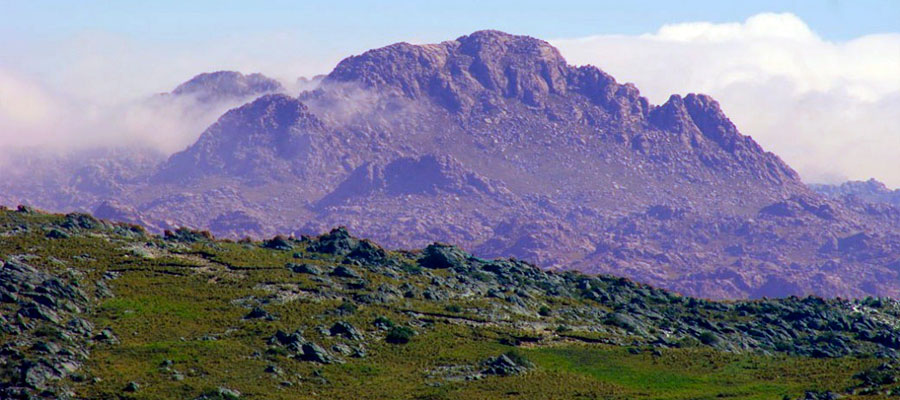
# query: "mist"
100,89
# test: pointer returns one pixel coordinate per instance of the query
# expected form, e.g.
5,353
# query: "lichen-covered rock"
506,364
345,330
441,256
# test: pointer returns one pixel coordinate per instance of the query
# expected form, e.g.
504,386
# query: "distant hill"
870,190
227,85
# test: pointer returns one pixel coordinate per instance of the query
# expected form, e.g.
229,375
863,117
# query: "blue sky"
388,21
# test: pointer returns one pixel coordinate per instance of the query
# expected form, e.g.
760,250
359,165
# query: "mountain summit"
227,85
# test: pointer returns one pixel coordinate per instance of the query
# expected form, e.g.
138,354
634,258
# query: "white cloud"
96,88
34,118
830,109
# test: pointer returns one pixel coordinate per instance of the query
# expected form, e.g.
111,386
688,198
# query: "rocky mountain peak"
673,116
868,187
707,115
869,191
492,142
226,85
459,73
252,140
514,65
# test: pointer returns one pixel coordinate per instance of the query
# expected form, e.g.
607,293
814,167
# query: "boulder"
338,242
278,243
506,364
345,272
257,313
132,387
441,256
304,268
346,330
313,352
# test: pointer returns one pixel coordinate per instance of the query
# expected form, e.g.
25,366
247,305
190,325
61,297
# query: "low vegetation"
90,309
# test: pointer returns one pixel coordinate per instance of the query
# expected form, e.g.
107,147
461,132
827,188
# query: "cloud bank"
98,88
831,110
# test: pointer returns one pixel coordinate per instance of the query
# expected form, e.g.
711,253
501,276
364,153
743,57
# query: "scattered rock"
506,364
345,330
440,256
259,313
132,387
57,234
313,352
304,269
278,243
345,272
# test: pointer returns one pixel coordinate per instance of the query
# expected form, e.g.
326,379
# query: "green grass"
699,373
168,308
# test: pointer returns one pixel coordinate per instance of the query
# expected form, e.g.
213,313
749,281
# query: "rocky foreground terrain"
495,143
99,310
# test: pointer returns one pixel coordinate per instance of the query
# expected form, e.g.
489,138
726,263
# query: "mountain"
214,87
92,309
495,143
870,190
262,140
94,178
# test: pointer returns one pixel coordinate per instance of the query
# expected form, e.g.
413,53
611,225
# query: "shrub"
686,342
411,268
708,338
400,335
384,322
545,311
347,308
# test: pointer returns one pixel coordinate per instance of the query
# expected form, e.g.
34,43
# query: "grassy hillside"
90,309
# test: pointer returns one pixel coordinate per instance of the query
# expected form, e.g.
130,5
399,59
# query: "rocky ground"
93,309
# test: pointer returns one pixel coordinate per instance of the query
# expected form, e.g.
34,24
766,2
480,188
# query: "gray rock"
37,375
346,330
313,352
439,256
341,349
304,268
345,272
258,313
33,310
107,335
505,365
220,393
132,387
